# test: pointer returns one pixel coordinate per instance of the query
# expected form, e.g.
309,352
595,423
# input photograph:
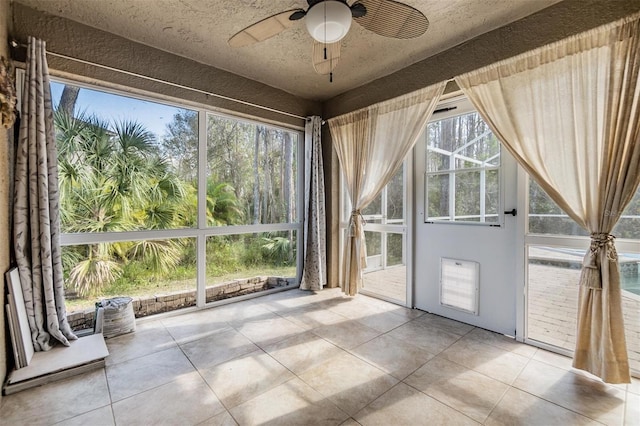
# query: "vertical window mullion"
300,209
202,210
452,196
483,194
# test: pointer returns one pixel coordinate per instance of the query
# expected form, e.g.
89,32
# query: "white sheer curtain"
314,272
570,114
36,219
371,145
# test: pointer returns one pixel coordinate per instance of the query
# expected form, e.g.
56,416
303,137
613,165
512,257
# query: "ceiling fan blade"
324,64
262,30
390,18
358,10
298,14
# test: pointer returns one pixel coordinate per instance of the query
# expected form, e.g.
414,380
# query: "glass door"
385,233
388,270
466,229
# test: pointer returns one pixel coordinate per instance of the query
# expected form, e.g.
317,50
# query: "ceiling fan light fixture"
328,21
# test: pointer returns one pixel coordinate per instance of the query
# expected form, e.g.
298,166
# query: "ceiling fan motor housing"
328,21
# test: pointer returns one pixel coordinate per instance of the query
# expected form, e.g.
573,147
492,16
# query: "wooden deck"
389,283
552,310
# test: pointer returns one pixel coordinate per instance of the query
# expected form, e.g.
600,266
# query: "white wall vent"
459,284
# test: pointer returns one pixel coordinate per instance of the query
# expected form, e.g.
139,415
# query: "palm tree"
113,179
223,208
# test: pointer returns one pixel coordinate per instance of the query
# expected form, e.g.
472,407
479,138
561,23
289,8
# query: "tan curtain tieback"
355,221
600,240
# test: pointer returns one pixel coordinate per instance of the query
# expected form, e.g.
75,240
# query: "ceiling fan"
328,22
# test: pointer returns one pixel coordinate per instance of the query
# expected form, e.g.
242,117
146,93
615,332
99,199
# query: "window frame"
454,107
201,232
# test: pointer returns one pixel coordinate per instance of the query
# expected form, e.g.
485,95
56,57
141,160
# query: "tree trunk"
266,188
68,99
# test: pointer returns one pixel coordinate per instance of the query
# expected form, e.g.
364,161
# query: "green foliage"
254,162
93,273
278,249
112,179
114,176
223,207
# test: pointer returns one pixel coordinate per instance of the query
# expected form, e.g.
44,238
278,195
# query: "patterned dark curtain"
314,273
36,221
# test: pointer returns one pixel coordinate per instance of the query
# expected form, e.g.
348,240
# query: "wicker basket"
115,317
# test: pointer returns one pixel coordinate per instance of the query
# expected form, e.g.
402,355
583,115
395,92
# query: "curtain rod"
169,83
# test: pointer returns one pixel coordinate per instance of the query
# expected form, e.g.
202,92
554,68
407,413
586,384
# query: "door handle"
512,212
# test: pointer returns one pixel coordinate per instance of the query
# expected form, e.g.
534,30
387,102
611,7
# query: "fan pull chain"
325,52
331,67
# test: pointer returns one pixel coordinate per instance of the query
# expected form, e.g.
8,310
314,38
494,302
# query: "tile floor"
297,358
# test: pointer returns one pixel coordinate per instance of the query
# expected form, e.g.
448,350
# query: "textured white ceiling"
199,30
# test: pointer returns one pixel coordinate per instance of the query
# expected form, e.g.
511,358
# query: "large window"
116,162
556,247
254,164
151,208
545,217
462,170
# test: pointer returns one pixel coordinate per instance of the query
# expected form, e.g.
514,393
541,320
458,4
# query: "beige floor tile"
404,405
185,401
153,381
396,357
501,341
433,339
140,374
243,378
218,348
56,401
240,311
222,419
384,305
310,317
194,326
291,403
292,299
446,324
348,381
383,321
465,390
148,338
301,352
391,307
406,312
521,408
354,308
347,335
632,412
100,417
578,393
554,359
269,330
486,359
350,422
